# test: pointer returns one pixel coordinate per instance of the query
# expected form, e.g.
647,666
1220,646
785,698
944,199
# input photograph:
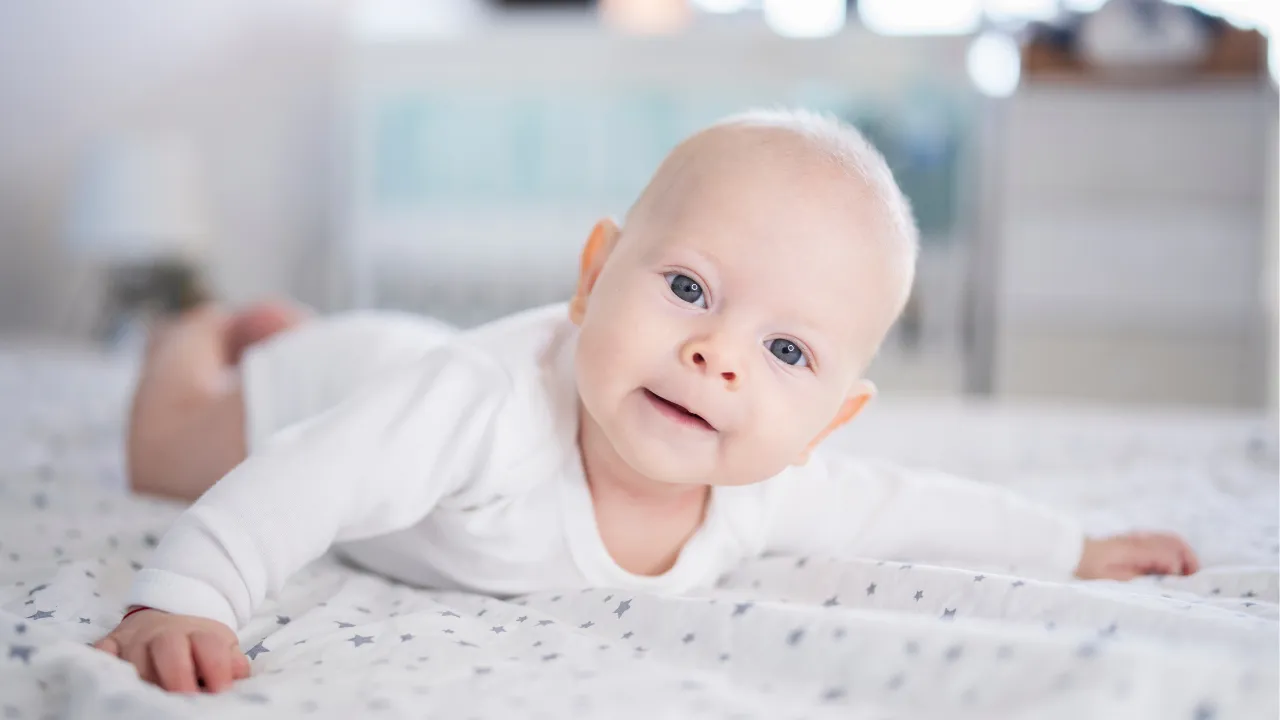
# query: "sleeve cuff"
173,593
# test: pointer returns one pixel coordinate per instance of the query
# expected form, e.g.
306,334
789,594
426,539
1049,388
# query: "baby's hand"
1125,557
178,652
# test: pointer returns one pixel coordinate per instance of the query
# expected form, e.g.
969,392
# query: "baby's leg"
186,425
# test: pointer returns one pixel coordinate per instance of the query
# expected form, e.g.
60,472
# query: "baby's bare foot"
258,323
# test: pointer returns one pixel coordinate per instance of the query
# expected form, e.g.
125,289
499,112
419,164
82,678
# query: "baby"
652,434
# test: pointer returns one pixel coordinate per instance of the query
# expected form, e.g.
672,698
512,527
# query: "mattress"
781,637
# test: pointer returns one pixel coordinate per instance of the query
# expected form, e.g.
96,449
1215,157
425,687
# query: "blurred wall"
250,81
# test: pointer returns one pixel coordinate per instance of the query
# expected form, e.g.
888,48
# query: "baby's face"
728,327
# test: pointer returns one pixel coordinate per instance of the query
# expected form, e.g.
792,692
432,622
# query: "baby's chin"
664,465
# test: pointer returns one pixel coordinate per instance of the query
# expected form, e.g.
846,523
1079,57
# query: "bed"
784,637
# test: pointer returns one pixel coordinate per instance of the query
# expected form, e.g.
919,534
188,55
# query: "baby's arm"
859,508
375,464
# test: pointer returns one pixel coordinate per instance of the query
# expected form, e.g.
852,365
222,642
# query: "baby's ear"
861,394
599,244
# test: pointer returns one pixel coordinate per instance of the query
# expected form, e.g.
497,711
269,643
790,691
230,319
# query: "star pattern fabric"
338,643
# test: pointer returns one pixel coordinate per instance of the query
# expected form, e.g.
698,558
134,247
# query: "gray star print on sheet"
20,628
1249,594
871,589
948,614
896,681
979,578
497,629
953,653
795,636
801,562
622,608
464,643
586,625
343,625
255,651
450,613
21,652
549,658
833,694
41,614
741,608
687,639
919,594
36,589
546,622
358,640
522,618
1205,711
627,635
832,601
84,621
607,598
1018,583
406,637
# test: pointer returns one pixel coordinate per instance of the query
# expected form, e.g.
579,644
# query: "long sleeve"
376,463
849,507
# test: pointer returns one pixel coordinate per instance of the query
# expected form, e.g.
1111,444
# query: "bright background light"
921,17
805,18
994,64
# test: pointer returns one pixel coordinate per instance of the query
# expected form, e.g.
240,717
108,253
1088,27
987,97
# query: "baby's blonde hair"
836,142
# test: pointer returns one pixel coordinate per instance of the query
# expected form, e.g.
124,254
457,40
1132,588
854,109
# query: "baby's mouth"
677,412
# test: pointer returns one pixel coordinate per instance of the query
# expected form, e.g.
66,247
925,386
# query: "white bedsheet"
781,638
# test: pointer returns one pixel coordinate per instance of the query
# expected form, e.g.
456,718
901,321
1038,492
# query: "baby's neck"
643,523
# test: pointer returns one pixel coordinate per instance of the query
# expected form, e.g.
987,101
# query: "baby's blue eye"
687,289
788,352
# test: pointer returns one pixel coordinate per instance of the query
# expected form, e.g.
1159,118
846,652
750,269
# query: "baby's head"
725,327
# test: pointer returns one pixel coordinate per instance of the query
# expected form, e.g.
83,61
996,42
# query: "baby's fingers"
1161,557
171,654
137,655
108,645
214,660
1190,563
239,665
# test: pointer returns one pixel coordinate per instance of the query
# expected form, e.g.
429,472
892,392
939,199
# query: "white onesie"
459,469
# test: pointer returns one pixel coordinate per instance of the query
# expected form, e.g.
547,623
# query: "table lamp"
139,211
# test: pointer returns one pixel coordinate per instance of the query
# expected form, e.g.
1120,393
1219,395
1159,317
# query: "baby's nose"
701,357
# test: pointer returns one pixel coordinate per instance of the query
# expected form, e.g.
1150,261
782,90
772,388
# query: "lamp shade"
139,199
